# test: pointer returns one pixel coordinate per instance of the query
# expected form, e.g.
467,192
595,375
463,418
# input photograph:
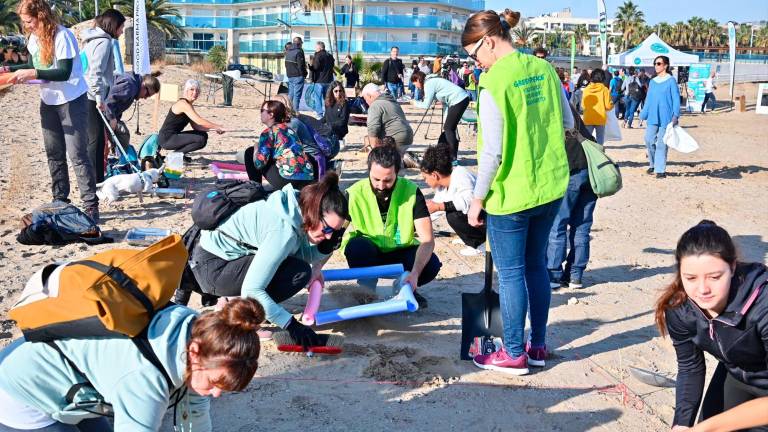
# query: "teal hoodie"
37,375
441,89
274,227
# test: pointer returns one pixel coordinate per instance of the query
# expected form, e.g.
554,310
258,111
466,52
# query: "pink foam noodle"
229,171
313,303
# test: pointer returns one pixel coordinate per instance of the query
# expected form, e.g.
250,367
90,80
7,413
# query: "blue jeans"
295,88
616,99
575,212
656,147
709,97
472,95
320,90
418,94
629,114
597,131
519,248
394,89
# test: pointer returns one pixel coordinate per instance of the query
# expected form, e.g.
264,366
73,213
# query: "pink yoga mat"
229,171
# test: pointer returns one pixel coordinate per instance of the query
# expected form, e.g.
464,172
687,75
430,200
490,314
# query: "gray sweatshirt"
101,63
386,118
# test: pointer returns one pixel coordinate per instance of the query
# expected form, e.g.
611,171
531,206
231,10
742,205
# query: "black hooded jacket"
738,338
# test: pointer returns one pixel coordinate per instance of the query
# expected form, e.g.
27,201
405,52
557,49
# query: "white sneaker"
470,251
457,241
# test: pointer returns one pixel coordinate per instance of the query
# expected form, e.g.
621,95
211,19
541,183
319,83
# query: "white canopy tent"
646,52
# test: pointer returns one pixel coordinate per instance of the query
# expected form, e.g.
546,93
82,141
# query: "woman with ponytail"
716,305
271,249
202,355
522,176
55,58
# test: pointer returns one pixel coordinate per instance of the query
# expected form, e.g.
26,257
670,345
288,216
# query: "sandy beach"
403,371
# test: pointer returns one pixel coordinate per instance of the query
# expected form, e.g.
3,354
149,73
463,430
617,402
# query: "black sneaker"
649,171
661,175
420,300
187,159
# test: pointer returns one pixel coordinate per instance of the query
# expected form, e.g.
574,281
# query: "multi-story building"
255,31
564,22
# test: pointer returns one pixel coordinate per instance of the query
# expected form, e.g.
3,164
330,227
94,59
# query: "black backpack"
210,208
635,91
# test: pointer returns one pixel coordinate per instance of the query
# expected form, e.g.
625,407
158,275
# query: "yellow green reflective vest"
398,230
534,167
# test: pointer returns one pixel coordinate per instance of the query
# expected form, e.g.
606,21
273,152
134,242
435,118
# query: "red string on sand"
628,397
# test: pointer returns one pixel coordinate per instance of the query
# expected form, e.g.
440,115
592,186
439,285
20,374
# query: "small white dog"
143,182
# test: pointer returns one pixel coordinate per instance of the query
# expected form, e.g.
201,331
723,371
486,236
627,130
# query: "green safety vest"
397,231
534,167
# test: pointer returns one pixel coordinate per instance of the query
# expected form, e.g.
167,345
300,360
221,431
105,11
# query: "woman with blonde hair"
55,58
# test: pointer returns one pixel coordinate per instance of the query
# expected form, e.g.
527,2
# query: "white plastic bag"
612,129
677,138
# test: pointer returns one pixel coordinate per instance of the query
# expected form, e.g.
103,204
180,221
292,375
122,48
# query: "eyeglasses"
659,64
337,90
476,48
265,110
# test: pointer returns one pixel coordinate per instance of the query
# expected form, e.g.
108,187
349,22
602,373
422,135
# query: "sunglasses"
659,64
337,91
327,229
265,110
476,48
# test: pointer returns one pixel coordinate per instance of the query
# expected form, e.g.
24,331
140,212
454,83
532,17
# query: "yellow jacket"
596,101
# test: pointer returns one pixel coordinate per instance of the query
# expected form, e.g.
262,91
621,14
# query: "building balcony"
474,5
316,19
193,45
367,47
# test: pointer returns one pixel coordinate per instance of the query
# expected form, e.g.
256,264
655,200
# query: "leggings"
185,142
224,278
96,143
89,425
725,392
471,236
361,252
450,127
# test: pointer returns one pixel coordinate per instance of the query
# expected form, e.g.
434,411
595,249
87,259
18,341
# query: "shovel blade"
475,309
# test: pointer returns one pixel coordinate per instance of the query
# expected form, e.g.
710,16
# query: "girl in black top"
172,135
350,72
337,110
720,306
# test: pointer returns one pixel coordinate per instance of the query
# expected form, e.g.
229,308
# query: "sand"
403,371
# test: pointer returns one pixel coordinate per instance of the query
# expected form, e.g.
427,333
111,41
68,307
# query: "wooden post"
742,103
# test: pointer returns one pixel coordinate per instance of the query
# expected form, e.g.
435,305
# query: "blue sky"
655,10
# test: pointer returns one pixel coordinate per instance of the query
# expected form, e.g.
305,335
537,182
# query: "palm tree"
697,31
714,32
743,35
160,14
680,32
9,21
581,33
524,34
629,19
321,5
349,31
664,31
761,38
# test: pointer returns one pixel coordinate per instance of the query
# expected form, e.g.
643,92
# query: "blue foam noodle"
391,270
403,302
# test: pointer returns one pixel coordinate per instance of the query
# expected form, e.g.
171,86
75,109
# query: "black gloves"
305,336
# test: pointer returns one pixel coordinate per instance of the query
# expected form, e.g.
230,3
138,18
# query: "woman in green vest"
522,176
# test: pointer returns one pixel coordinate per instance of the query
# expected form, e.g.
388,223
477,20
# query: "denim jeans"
320,90
617,101
656,147
519,248
418,94
295,88
629,114
394,89
709,97
597,131
571,246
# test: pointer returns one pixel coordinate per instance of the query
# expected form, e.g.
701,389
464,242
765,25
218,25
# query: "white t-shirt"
65,47
459,191
709,85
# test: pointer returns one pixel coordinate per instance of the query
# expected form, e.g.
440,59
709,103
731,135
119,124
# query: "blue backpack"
59,223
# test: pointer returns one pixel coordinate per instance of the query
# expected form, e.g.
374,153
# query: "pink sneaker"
501,361
536,356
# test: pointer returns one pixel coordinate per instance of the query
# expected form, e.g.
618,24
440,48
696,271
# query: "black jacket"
577,159
337,118
322,67
350,74
738,338
391,71
295,65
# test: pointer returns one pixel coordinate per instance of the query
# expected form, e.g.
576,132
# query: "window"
414,37
415,11
432,37
376,36
202,41
376,10
224,12
307,35
433,11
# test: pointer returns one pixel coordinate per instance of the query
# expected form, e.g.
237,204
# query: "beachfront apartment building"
255,31
565,23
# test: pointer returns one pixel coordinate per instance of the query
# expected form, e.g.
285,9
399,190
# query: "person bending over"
386,118
271,249
172,135
279,157
715,305
388,212
453,188
128,88
203,355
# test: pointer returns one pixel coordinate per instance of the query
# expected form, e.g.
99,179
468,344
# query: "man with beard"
387,213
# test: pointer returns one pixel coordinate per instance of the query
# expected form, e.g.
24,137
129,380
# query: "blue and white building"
255,31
